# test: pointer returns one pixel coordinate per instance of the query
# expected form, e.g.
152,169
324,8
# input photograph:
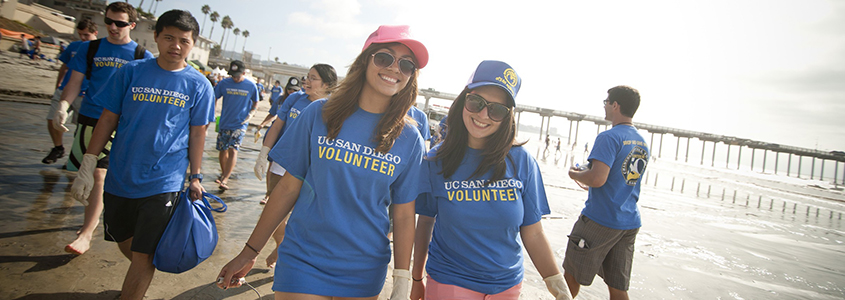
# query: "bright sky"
769,70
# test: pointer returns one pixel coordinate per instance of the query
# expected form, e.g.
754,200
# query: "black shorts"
143,219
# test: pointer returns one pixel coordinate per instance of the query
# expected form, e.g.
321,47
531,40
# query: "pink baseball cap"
399,34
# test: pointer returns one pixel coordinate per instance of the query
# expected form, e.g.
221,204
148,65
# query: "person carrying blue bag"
161,109
191,234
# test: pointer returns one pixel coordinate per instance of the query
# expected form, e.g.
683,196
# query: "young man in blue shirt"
240,101
602,239
113,52
161,109
86,29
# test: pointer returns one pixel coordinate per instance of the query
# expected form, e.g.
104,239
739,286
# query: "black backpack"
94,45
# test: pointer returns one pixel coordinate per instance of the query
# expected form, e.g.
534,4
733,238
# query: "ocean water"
715,232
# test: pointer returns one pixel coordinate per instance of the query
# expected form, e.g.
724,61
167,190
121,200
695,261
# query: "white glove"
261,163
557,286
249,117
60,117
84,181
401,285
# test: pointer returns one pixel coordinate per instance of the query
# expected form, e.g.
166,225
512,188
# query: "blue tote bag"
190,236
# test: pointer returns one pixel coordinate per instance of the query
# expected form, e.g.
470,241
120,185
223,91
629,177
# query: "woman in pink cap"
347,160
484,201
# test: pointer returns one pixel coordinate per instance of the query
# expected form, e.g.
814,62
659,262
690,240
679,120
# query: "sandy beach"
708,233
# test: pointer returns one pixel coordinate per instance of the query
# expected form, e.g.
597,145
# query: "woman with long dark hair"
347,160
485,203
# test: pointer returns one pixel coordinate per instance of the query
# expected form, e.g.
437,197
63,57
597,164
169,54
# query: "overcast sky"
766,70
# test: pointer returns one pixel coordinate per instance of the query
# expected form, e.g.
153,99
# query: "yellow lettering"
320,151
390,170
511,194
337,157
383,166
367,161
347,157
373,165
357,160
450,195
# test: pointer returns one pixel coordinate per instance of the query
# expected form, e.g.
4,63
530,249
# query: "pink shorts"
440,291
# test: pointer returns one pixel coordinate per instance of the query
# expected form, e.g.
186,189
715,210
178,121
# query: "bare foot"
271,259
79,246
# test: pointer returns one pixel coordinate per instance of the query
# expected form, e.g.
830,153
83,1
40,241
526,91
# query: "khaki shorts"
54,106
606,252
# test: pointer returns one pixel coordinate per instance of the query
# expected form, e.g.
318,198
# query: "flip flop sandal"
223,186
263,201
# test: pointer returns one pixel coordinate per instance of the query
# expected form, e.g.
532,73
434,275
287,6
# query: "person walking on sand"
113,51
347,159
479,157
291,87
86,29
161,109
320,80
240,102
602,239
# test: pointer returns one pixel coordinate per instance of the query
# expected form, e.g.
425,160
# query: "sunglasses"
120,24
384,60
495,111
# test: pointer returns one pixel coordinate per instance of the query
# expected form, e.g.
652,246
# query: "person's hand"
249,117
557,286
60,117
417,290
84,182
258,134
196,189
401,284
261,163
235,270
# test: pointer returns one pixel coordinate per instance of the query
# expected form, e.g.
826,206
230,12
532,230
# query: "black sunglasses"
120,24
495,111
384,60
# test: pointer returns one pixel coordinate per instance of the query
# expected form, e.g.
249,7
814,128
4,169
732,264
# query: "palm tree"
214,19
154,10
246,35
237,32
141,4
205,10
226,23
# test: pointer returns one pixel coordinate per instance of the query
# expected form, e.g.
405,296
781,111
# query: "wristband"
251,248
416,279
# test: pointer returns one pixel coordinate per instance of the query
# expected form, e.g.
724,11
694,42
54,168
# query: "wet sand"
779,238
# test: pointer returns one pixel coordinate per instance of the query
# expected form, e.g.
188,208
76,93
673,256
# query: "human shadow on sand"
104,295
42,263
211,291
4,235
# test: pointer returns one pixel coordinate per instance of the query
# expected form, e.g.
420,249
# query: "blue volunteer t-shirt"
422,122
614,204
275,91
476,243
108,59
149,153
65,57
336,239
238,99
290,111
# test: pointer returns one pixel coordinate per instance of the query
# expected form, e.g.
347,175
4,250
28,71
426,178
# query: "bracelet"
416,279
251,248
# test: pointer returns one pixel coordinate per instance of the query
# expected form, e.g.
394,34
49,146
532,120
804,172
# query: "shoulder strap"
140,51
92,51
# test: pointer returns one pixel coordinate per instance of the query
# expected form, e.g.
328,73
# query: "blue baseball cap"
498,73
